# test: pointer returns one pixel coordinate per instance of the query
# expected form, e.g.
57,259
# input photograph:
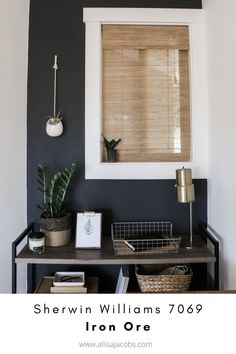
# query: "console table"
207,252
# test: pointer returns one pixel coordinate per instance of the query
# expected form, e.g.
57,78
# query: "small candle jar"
36,242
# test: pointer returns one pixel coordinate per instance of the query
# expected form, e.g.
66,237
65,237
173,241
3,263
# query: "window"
145,91
123,93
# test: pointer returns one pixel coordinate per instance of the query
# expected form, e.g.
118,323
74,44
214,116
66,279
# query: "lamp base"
190,247
191,244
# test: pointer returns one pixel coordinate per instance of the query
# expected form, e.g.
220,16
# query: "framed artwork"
88,230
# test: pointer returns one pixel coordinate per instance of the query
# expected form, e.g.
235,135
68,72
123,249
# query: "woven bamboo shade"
146,91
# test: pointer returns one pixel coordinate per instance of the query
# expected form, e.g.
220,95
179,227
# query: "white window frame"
94,167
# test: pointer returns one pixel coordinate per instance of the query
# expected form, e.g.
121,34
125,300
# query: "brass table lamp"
186,194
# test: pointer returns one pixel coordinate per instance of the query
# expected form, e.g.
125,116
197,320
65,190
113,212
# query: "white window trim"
94,168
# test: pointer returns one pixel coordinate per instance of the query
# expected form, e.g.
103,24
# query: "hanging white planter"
54,126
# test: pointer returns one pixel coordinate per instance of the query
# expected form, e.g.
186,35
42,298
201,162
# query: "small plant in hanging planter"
54,125
55,221
110,146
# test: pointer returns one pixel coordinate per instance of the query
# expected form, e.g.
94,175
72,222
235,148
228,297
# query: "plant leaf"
88,227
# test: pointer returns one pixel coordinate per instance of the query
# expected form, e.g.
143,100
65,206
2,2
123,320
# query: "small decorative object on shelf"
36,242
88,230
69,279
68,282
54,125
110,148
55,221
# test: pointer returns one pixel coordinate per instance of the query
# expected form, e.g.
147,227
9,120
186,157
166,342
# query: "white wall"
14,17
221,45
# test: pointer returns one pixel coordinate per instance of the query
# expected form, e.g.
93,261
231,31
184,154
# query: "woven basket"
56,224
57,230
151,282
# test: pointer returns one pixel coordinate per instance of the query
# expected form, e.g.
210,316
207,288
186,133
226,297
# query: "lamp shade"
184,186
185,194
184,177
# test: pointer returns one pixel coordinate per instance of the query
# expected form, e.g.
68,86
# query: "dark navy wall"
56,27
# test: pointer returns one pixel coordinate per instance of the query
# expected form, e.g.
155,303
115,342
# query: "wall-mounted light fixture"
54,125
186,194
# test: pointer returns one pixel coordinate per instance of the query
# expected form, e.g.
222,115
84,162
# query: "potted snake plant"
110,146
55,221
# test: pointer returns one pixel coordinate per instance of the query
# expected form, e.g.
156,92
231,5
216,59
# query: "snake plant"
110,145
54,190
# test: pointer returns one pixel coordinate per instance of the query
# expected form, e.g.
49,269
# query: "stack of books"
68,283
46,286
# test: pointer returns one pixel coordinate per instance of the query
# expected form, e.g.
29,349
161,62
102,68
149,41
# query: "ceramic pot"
57,230
54,127
111,155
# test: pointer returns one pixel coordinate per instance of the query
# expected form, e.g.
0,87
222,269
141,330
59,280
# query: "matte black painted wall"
56,27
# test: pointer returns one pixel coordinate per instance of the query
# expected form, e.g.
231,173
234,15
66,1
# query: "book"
68,290
46,284
123,280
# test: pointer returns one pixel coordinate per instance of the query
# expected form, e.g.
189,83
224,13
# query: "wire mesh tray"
130,238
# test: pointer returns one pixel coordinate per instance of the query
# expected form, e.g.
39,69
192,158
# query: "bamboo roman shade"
145,91
144,37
